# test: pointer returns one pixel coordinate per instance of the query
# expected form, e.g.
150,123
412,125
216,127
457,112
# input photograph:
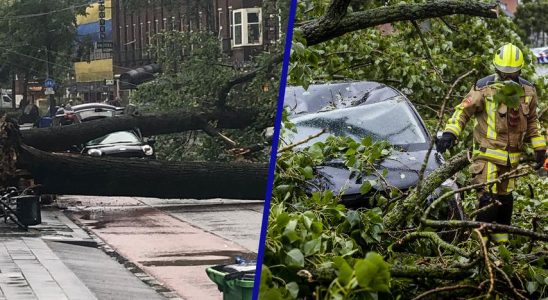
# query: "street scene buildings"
134,154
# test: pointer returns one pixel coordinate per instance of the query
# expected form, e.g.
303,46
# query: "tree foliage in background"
30,41
531,19
194,78
318,249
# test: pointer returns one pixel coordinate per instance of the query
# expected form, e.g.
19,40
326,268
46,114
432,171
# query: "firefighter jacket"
499,131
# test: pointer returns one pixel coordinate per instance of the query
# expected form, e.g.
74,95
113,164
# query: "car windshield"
120,137
87,115
391,120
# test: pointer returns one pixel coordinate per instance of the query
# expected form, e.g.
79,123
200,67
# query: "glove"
540,157
447,141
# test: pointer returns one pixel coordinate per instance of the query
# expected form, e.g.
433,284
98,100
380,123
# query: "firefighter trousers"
485,171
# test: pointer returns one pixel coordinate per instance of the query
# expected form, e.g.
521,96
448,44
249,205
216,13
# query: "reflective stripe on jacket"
500,142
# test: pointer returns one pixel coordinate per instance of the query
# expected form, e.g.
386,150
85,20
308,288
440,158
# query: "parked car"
6,101
120,144
85,112
358,110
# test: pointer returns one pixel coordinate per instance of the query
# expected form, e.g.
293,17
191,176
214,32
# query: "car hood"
403,169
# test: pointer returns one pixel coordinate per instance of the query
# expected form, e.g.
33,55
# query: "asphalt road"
173,241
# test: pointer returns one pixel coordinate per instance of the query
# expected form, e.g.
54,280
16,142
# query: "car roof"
93,105
320,97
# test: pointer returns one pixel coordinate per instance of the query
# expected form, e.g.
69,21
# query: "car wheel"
47,199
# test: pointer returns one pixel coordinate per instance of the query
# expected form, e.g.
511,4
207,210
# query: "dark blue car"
357,110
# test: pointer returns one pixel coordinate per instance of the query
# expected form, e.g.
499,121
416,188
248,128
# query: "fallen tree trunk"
337,21
409,207
63,137
81,175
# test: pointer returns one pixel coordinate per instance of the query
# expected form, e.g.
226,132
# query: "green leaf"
293,289
373,273
316,227
345,271
531,286
308,172
284,188
316,151
294,258
311,247
509,93
353,217
282,219
365,187
504,253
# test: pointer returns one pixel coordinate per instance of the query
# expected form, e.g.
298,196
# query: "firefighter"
499,134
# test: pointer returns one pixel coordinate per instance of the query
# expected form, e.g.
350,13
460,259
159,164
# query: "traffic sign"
49,91
104,45
49,83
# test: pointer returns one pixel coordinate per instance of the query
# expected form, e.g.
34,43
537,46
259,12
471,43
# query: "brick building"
509,7
243,27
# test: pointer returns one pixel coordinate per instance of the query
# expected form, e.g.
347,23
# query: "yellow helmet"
508,59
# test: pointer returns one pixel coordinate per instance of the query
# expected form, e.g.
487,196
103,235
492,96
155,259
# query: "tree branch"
311,137
509,282
434,238
222,94
402,210
323,29
438,126
487,262
428,272
445,289
492,226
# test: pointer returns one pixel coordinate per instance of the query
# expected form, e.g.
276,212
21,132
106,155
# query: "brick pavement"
30,270
57,260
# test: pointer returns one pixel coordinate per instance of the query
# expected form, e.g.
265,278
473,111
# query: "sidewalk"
165,238
30,270
58,260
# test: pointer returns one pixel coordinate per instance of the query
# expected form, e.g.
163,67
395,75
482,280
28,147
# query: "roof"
93,105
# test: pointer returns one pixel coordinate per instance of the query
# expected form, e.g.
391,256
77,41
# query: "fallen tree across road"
83,175
64,173
63,137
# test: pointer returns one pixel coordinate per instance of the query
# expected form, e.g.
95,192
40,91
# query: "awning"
132,78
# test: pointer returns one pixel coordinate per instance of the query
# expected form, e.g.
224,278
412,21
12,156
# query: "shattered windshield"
391,120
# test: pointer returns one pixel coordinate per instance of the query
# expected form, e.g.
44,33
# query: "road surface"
173,240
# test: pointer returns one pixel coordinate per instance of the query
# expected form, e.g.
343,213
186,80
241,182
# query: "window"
247,27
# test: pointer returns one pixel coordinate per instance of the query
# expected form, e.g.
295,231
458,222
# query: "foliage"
314,243
316,247
400,59
531,19
509,93
315,232
195,66
55,32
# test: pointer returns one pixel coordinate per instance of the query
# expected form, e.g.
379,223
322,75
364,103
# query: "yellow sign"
96,70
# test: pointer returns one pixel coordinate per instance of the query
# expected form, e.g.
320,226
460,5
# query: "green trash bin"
234,281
